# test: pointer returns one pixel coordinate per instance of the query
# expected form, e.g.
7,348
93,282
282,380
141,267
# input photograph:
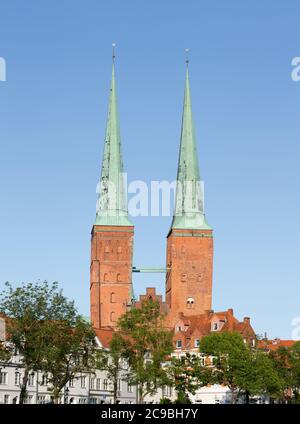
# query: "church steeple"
189,208
112,203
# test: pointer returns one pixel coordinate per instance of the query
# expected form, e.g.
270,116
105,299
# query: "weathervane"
113,51
187,56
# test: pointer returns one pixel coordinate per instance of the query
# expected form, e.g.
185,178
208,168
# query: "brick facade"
111,274
189,271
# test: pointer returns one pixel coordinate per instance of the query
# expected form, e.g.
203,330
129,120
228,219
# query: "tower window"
118,277
183,277
113,316
190,303
112,297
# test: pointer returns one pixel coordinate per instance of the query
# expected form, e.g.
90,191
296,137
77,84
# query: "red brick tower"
189,242
112,234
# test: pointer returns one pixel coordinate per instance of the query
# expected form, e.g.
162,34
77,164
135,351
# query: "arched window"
112,297
105,277
190,303
183,277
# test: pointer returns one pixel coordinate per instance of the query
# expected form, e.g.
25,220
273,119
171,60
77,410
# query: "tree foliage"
244,370
146,346
43,327
112,361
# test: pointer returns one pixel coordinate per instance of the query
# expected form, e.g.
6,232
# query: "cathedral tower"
112,233
189,242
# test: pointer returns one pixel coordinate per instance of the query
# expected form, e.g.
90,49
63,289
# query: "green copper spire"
112,204
189,208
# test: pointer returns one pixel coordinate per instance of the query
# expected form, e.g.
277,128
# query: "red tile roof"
275,344
104,336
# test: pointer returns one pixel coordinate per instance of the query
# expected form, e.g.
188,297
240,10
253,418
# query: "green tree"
286,361
187,374
69,350
263,378
244,370
231,360
111,361
38,318
147,344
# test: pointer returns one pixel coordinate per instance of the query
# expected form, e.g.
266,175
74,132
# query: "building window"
197,343
112,316
253,342
190,303
119,384
83,381
29,399
41,399
31,379
129,388
98,384
3,377
112,297
215,326
119,249
17,378
106,249
44,381
82,400
178,344
105,277
6,399
167,391
93,400
105,384
92,383
118,277
71,382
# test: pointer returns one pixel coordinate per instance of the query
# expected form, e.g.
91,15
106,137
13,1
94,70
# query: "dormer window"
215,326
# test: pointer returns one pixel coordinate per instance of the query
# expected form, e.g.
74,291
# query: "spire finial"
187,56
113,52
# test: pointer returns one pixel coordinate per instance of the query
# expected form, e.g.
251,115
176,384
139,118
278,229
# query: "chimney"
246,320
230,311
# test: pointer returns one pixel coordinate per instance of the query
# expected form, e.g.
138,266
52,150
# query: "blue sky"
246,108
